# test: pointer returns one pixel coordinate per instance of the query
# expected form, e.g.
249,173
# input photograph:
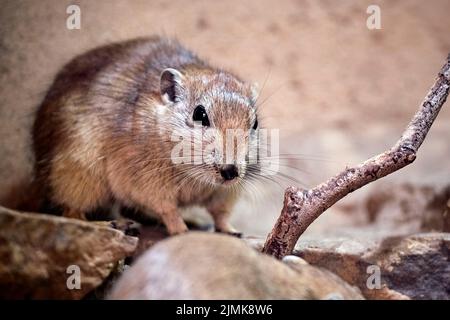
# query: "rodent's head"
215,114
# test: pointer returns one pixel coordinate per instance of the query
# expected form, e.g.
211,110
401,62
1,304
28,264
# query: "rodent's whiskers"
301,171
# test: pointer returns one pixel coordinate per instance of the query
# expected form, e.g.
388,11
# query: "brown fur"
102,133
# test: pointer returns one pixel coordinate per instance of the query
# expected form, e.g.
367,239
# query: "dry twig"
302,207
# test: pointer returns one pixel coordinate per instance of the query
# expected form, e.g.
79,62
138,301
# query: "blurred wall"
338,91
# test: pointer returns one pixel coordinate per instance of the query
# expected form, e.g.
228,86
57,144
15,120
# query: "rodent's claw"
233,233
129,227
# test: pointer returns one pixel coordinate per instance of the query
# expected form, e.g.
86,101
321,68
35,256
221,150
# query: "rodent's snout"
229,172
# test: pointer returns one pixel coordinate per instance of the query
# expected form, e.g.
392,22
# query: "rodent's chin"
228,182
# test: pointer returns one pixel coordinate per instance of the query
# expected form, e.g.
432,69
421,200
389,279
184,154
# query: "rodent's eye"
255,125
200,115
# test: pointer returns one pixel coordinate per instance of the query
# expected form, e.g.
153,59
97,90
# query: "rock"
318,279
410,267
201,265
36,251
399,209
152,232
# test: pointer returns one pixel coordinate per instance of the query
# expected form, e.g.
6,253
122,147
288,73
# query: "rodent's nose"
229,172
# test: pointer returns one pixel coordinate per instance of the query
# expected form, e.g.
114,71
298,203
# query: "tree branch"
301,207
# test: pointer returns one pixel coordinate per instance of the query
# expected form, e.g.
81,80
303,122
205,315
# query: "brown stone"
36,251
411,267
203,265
408,208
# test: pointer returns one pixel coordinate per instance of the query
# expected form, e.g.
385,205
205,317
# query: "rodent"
102,135
199,265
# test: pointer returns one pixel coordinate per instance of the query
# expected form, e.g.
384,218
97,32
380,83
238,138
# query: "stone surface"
411,267
201,265
386,208
407,208
37,249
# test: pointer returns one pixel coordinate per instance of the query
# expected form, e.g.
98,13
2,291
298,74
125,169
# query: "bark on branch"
301,207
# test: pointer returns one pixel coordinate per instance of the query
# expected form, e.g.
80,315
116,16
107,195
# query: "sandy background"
338,92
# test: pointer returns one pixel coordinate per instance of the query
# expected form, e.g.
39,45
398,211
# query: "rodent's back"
134,64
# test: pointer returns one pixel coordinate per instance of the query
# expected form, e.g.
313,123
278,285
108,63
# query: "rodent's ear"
171,83
254,91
